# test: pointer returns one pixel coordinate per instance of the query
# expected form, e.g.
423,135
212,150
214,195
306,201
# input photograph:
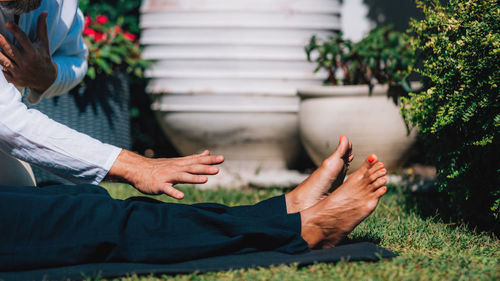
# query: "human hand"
30,64
158,176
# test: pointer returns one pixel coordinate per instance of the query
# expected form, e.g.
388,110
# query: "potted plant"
360,98
99,106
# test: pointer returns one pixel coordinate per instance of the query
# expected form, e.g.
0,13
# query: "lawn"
427,248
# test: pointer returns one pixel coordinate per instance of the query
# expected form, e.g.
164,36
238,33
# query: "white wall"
354,21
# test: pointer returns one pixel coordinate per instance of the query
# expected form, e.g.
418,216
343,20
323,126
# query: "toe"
381,191
379,182
376,167
342,149
370,161
378,174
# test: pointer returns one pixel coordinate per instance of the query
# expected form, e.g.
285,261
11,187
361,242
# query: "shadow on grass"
432,203
369,237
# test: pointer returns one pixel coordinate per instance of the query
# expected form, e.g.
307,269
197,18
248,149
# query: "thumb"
42,33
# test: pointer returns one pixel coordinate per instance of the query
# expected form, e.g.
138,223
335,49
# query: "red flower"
89,32
129,36
87,21
101,19
100,36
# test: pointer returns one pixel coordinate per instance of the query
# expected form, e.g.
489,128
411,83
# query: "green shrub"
458,116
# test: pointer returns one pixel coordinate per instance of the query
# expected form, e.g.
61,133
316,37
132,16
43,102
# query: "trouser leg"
58,189
275,206
269,207
40,231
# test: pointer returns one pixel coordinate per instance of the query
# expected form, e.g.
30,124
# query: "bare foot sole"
317,186
325,224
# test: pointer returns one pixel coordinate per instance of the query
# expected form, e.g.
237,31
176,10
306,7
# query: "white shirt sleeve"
69,52
29,135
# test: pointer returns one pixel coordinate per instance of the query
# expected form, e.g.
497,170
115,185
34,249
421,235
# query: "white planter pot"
226,73
254,133
14,172
261,131
373,124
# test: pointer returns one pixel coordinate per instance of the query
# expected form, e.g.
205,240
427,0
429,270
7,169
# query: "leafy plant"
111,48
383,56
459,115
124,11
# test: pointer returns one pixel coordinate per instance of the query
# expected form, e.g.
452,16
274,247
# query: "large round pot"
373,124
14,172
226,74
252,132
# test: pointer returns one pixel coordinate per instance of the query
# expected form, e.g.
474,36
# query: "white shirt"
64,26
29,135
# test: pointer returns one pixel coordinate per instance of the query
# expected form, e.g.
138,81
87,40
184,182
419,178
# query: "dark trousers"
65,225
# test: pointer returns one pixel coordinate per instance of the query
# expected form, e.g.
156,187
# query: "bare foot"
325,224
317,186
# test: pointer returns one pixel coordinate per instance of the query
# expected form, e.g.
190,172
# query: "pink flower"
101,19
87,21
129,36
118,29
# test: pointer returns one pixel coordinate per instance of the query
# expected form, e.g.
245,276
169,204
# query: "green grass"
427,248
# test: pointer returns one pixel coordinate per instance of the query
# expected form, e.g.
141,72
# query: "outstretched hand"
30,64
158,176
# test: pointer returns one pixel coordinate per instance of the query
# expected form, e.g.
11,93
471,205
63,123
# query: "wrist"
126,167
51,76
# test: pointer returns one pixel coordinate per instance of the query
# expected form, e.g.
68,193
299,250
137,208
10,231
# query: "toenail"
371,158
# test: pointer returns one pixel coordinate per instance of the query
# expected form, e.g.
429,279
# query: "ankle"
291,202
310,231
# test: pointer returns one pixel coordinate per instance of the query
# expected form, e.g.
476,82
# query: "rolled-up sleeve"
29,135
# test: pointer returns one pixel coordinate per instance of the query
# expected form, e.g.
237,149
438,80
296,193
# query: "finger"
8,76
21,37
9,50
172,192
42,33
188,178
205,153
202,170
208,160
5,62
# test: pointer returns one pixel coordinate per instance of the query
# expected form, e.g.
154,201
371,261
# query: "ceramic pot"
14,172
256,132
226,74
373,124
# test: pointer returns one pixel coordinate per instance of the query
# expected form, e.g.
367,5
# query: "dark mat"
363,251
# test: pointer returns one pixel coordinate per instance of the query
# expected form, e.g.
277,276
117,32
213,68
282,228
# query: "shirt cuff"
115,151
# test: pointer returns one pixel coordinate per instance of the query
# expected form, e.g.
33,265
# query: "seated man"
59,225
64,225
